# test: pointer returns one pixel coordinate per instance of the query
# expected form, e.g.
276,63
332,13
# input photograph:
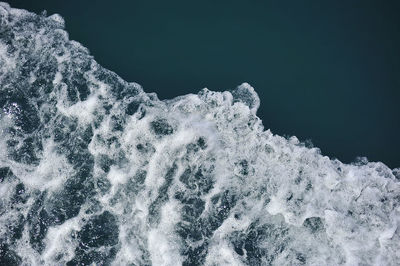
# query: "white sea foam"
95,170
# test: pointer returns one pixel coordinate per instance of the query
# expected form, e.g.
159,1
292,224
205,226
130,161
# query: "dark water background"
329,72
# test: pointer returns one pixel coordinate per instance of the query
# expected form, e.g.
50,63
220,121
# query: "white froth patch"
164,245
247,88
57,78
6,62
52,171
28,255
59,241
223,254
275,207
83,110
58,19
116,176
162,251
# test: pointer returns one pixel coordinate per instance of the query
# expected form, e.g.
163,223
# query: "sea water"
94,170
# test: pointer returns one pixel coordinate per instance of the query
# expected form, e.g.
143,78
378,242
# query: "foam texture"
93,170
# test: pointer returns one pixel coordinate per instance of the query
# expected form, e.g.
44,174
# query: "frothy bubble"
93,170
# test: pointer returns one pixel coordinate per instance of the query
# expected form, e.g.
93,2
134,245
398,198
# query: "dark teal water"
329,72
94,171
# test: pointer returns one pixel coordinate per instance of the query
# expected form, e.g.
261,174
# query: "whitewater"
93,170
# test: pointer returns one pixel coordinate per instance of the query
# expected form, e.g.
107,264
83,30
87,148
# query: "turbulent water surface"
95,170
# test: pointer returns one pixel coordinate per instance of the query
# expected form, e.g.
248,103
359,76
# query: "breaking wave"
95,170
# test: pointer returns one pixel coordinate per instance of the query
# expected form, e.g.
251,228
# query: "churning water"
95,170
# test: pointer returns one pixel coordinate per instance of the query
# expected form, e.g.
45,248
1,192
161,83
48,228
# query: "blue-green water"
94,170
329,72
